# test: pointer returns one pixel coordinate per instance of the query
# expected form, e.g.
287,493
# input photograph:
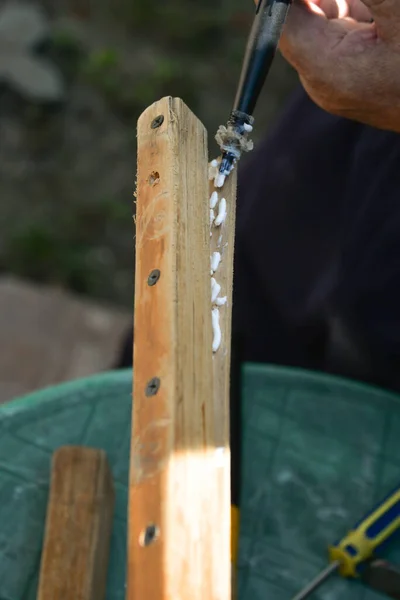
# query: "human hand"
347,55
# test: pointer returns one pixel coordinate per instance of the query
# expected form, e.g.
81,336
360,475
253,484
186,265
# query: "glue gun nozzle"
225,167
227,163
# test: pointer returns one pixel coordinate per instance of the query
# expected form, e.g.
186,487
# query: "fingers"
315,32
335,9
305,35
359,11
386,14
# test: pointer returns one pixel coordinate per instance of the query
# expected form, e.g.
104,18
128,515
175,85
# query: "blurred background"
74,77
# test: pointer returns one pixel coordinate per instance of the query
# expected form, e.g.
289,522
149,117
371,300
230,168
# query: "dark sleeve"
368,299
290,205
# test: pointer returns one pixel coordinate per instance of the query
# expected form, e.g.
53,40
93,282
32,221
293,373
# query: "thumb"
307,36
386,14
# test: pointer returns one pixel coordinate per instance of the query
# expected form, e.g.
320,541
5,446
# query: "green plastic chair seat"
318,453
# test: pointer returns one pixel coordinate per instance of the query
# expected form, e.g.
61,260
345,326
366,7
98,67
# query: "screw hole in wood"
154,178
153,277
153,386
149,535
157,122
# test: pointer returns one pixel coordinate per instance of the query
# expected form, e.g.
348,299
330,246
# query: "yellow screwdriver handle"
368,536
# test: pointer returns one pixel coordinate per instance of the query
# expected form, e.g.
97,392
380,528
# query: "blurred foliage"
100,70
128,98
181,48
66,52
138,14
41,254
64,249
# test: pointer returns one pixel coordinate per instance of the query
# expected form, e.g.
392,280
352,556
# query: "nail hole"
153,277
157,121
154,178
152,387
149,535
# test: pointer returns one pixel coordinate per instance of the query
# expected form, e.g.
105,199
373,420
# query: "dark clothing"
317,278
317,257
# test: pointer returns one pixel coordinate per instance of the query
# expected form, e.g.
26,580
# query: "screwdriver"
349,555
260,51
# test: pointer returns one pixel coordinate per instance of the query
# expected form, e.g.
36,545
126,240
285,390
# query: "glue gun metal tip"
227,163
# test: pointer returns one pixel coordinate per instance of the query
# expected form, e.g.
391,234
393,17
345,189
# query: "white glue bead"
216,329
248,128
215,290
214,163
221,301
219,180
212,171
215,260
213,199
220,218
212,216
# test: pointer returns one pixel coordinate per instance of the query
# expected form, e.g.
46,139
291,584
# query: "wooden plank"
223,242
78,526
179,504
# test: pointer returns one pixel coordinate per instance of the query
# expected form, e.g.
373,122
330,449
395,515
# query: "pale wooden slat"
223,241
179,480
75,553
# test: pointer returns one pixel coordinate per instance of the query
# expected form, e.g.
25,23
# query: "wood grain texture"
78,526
223,241
179,482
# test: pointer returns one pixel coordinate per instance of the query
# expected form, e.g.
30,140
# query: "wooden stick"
78,526
179,505
223,241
